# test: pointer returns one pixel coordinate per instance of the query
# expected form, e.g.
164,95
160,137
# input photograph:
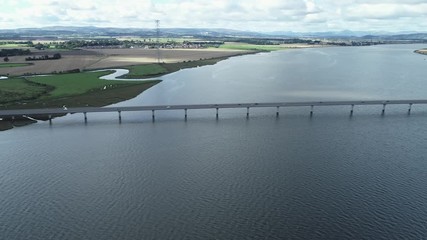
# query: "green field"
6,65
17,89
71,90
77,83
74,89
84,89
80,89
71,84
145,71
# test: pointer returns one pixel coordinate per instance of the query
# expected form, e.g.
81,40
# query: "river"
331,176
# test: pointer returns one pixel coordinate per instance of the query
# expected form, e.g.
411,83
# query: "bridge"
50,112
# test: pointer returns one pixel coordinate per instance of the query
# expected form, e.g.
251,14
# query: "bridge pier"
49,114
120,116
153,117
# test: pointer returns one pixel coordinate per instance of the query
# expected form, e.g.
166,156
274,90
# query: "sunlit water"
331,176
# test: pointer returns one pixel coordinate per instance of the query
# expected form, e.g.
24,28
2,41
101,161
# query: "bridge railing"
48,112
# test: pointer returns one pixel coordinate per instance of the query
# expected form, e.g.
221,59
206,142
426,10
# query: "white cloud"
386,11
265,15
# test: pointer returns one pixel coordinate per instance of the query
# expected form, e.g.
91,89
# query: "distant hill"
58,32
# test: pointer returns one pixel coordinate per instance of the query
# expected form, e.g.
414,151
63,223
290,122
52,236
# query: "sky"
248,15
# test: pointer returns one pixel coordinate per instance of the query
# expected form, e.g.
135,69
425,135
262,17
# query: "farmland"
90,59
84,88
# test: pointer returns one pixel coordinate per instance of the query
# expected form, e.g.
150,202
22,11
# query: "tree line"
43,57
16,42
14,52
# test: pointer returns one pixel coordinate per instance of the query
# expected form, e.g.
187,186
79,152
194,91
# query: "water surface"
294,177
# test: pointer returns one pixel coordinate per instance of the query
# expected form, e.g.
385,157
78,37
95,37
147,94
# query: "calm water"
293,177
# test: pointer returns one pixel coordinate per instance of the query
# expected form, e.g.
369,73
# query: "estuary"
330,176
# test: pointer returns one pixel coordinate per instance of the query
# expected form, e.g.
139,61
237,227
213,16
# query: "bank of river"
93,98
422,51
117,73
106,95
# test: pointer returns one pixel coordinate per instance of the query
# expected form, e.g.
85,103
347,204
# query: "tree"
6,59
39,46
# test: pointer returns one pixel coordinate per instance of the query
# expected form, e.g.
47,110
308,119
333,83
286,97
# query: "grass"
77,83
84,89
147,70
79,89
74,90
19,89
6,65
92,98
251,47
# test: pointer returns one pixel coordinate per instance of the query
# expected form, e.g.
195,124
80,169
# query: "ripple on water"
295,177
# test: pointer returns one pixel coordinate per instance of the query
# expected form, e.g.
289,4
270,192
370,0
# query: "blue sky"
252,15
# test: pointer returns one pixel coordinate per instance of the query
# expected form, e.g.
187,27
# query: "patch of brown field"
79,52
300,45
109,58
49,66
126,57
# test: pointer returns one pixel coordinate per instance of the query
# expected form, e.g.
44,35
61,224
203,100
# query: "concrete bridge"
50,112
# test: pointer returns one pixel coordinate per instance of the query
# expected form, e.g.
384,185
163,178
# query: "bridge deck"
48,111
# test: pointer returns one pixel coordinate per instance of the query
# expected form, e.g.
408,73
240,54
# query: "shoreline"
421,51
91,59
104,98
95,98
172,66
